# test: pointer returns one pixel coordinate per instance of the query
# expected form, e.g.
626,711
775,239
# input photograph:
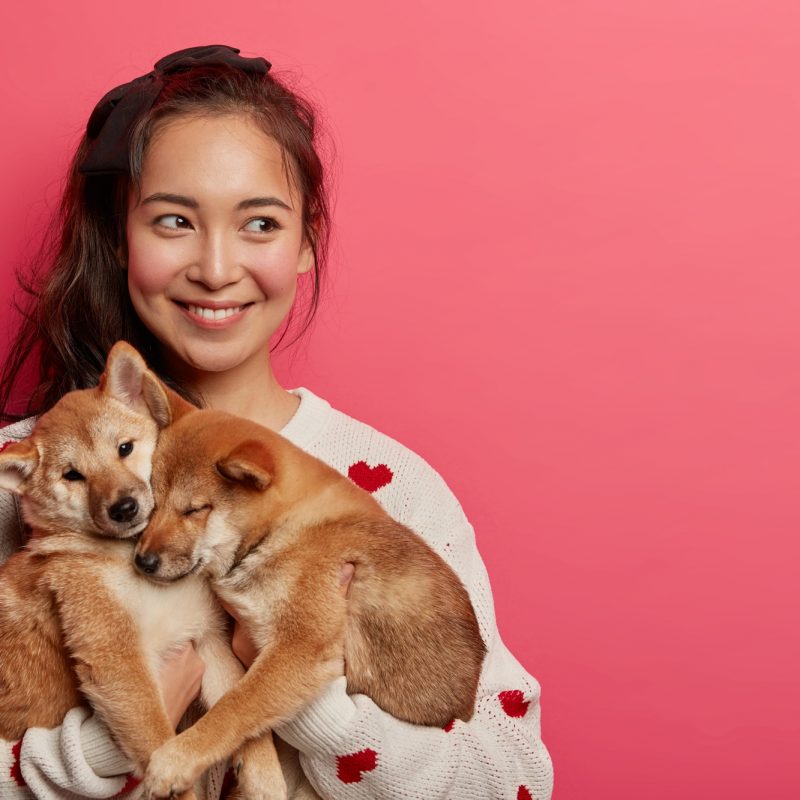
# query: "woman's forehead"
214,156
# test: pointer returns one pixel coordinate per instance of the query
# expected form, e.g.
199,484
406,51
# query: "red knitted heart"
369,478
349,768
132,782
447,728
514,703
15,772
523,793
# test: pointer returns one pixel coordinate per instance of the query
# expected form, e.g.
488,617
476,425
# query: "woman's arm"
79,757
350,748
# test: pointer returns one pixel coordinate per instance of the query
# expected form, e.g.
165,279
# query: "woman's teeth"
213,314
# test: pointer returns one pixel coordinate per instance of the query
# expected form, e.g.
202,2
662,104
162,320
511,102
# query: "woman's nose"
215,264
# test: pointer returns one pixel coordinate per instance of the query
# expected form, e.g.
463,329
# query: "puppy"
77,622
271,527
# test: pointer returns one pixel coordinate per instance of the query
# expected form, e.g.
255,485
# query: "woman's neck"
251,391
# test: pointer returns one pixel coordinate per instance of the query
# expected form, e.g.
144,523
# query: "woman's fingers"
180,677
345,576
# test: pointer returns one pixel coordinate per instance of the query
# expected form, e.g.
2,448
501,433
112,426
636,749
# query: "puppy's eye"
125,449
73,475
196,510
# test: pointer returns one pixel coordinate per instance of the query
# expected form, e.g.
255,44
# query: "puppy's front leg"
110,664
258,771
280,681
222,671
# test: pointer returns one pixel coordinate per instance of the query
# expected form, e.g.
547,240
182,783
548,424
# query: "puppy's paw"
259,781
170,773
259,775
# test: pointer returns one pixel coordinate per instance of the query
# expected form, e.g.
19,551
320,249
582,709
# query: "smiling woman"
210,277
194,209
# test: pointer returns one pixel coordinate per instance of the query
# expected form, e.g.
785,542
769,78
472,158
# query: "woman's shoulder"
11,528
400,479
17,431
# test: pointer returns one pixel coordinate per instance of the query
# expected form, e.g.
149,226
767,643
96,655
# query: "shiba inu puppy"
77,622
271,527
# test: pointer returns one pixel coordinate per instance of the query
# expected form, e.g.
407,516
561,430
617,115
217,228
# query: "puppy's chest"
261,581
164,614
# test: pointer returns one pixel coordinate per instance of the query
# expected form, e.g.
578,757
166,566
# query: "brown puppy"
77,622
271,526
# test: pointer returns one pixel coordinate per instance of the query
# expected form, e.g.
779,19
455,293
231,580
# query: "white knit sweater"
349,748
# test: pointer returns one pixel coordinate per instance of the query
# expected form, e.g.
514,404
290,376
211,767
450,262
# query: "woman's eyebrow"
190,202
255,202
176,199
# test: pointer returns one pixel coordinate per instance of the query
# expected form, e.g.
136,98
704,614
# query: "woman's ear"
305,263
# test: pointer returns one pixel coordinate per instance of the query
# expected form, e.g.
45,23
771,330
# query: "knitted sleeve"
350,748
77,758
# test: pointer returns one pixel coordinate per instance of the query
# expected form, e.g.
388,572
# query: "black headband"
113,117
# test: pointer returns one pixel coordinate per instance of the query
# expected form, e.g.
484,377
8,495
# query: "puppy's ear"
127,379
176,405
250,464
18,460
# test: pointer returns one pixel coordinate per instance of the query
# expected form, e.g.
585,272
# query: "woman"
194,209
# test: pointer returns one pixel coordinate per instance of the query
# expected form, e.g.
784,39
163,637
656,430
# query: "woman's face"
215,243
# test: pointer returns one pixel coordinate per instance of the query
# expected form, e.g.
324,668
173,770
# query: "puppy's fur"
77,622
271,526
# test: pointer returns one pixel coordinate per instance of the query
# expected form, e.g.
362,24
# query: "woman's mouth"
219,315
214,313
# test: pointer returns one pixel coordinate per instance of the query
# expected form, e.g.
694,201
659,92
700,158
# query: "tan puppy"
271,526
77,622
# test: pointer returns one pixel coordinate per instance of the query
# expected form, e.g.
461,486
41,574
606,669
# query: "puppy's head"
217,493
86,465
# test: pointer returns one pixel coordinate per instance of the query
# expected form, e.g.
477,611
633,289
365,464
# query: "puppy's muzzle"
124,510
147,563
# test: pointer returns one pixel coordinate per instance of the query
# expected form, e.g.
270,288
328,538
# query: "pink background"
566,272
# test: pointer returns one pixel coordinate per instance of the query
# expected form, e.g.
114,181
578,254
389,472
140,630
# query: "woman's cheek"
151,268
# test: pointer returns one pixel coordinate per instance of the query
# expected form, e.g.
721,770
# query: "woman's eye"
125,449
261,225
73,475
174,222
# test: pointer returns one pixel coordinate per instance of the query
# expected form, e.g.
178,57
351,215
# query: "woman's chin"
216,360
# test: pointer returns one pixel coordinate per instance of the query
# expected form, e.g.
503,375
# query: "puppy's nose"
124,510
148,563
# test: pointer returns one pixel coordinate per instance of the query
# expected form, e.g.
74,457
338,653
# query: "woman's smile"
214,316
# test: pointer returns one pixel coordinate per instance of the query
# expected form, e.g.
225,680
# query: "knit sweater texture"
349,748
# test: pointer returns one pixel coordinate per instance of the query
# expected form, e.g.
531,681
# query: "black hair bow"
110,124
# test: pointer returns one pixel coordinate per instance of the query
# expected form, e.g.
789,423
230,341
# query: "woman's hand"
180,677
241,644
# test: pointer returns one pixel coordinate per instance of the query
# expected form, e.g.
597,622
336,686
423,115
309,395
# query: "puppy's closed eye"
196,510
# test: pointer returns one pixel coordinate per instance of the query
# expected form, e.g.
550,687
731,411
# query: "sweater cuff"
321,725
101,752
55,762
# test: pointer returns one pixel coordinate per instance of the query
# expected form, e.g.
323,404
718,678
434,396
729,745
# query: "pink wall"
566,273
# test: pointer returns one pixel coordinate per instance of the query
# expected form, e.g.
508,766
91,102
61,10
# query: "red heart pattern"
369,478
16,772
514,703
132,782
523,793
349,768
447,728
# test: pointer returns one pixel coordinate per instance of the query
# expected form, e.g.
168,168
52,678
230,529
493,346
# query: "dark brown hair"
77,297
